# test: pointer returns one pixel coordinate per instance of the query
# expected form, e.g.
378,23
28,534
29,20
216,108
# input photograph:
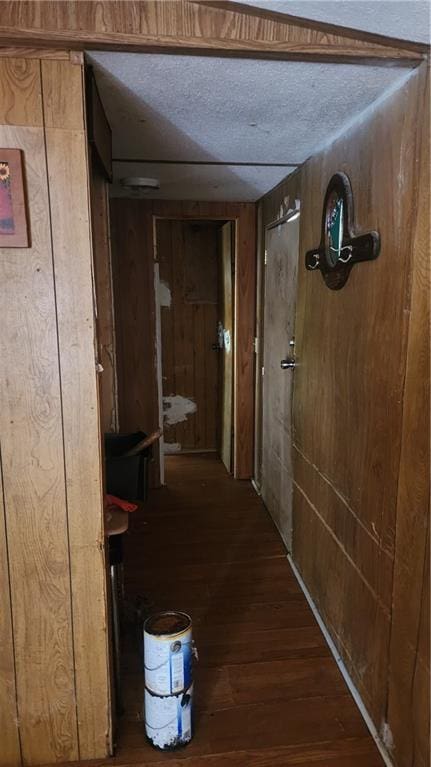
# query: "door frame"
243,215
226,371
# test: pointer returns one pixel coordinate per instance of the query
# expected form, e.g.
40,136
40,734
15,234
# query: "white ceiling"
404,19
226,183
209,110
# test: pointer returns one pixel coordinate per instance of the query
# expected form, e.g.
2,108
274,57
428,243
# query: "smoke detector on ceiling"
139,184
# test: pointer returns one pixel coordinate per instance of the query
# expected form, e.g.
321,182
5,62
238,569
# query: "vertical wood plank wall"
361,399
188,262
104,298
55,700
135,318
133,266
409,689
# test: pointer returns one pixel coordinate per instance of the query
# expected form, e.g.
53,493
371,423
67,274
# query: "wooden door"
227,259
279,320
188,294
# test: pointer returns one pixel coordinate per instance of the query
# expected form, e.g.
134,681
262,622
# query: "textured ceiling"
404,19
204,109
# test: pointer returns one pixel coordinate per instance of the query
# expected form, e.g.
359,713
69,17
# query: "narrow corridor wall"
360,411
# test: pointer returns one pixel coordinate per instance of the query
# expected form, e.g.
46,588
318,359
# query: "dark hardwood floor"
267,690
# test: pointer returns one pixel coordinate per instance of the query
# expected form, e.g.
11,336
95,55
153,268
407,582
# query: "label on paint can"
168,720
168,656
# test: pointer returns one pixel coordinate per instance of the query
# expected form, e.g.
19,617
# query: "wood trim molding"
207,46
323,27
194,27
17,51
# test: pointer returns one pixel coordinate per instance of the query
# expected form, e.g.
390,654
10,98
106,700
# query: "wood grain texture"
34,482
63,104
357,395
182,26
245,322
132,244
321,26
50,435
20,92
268,691
104,296
134,306
66,148
408,705
187,256
11,750
20,52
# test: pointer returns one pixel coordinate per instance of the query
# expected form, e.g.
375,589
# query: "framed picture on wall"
14,232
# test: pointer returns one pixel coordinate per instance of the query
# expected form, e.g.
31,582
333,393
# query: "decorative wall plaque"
339,247
13,215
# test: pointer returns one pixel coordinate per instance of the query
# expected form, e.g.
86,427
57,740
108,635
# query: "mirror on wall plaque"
339,247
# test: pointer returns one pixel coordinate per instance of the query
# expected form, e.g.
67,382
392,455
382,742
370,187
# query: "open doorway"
194,275
205,542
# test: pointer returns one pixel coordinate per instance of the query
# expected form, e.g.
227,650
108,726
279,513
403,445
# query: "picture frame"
14,229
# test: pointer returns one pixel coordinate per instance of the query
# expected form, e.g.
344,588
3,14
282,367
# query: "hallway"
267,690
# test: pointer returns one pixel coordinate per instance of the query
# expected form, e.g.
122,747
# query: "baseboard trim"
255,486
346,676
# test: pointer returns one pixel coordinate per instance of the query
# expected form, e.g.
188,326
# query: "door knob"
285,364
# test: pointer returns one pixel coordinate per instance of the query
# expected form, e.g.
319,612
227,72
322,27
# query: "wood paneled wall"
409,661
361,405
104,297
54,692
133,264
188,257
180,25
135,318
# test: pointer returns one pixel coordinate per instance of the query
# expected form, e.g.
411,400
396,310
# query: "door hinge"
263,370
266,257
256,345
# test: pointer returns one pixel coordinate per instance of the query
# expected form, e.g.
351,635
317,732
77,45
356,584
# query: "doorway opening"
204,544
194,279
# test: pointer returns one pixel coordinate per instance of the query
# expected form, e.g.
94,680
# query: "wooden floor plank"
267,690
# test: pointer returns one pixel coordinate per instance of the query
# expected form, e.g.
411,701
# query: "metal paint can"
168,719
168,653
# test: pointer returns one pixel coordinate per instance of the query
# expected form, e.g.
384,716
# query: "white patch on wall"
171,447
387,737
165,297
226,340
177,409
